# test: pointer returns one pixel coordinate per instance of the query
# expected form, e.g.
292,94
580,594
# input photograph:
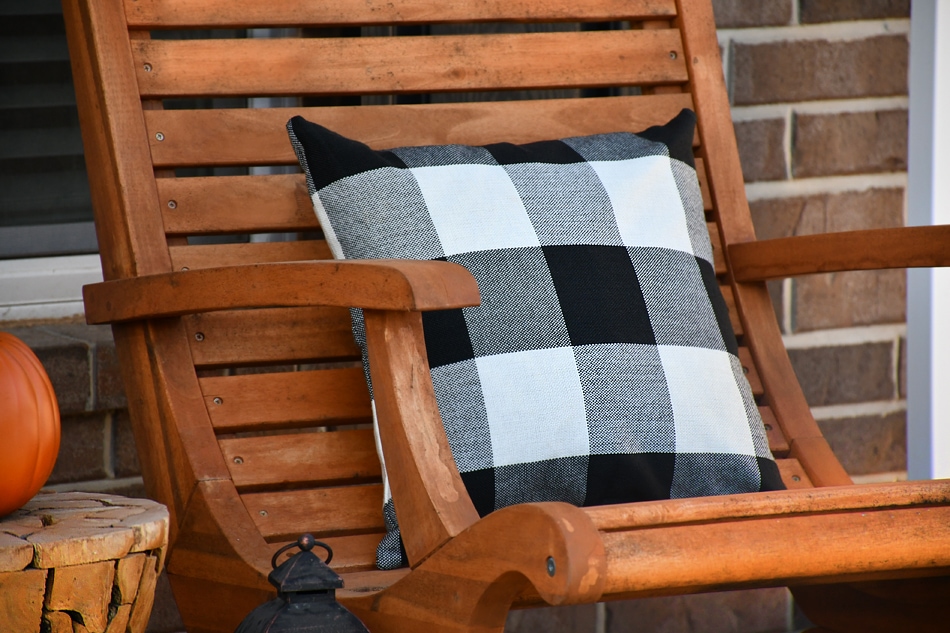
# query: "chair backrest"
183,105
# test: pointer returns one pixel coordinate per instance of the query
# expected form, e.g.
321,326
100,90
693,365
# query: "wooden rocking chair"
248,403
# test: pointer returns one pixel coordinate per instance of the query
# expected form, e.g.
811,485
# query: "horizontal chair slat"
730,299
302,458
703,183
394,65
212,255
286,399
352,553
244,13
321,511
258,136
751,373
280,335
236,204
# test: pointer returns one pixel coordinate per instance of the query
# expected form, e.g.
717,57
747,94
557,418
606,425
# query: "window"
44,195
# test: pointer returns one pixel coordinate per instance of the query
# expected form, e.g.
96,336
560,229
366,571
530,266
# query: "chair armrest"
904,247
375,284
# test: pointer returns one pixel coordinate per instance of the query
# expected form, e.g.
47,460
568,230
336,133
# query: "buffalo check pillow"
601,366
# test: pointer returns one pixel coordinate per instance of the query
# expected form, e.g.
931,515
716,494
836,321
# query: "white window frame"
928,202
45,287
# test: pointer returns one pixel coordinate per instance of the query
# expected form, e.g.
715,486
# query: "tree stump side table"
78,562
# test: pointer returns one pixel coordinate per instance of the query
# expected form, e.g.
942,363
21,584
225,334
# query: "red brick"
761,149
66,361
124,488
742,13
868,445
777,294
805,70
811,11
842,299
125,455
165,617
580,618
725,612
110,391
849,143
828,212
849,299
845,373
81,449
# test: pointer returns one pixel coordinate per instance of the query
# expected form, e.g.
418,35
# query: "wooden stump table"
79,562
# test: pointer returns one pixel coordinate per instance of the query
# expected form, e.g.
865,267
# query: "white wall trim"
928,201
45,287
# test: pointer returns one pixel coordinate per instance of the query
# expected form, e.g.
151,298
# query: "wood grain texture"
235,496
119,164
330,511
777,442
380,284
168,68
841,547
288,399
549,549
751,373
875,249
218,255
243,13
236,204
270,336
302,458
259,136
426,486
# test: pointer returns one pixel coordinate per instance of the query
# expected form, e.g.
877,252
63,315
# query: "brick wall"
819,94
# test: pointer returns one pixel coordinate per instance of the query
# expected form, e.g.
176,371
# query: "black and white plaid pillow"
601,366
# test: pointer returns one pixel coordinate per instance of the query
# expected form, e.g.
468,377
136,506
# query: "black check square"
600,366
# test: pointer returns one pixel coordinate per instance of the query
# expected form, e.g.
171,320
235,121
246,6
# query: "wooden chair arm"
903,247
374,284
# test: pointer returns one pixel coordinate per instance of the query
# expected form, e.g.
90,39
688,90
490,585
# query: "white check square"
535,405
705,419
475,208
646,202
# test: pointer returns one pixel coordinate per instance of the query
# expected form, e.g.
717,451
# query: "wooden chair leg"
918,605
468,585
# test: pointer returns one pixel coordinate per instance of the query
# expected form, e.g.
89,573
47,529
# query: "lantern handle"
305,543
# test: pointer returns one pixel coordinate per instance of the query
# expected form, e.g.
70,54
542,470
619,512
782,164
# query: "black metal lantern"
306,596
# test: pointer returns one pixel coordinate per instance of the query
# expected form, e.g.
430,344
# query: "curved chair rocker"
246,459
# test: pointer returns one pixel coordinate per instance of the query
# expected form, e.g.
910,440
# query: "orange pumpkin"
29,424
